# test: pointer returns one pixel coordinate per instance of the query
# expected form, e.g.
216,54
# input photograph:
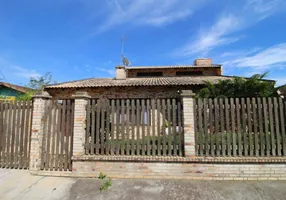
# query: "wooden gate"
58,134
15,132
135,127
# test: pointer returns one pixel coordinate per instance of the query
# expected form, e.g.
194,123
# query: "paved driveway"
17,184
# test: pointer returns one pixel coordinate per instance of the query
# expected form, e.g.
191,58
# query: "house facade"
9,92
143,82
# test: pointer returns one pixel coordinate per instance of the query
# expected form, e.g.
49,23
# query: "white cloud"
25,73
109,71
274,56
279,80
230,22
147,12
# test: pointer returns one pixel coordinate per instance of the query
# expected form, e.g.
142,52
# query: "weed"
105,185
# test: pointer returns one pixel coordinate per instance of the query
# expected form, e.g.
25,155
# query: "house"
143,81
282,91
9,92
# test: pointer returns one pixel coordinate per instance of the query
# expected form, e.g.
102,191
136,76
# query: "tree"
254,86
36,84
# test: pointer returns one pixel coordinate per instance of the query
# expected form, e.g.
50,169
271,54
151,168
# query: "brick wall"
123,92
180,170
171,72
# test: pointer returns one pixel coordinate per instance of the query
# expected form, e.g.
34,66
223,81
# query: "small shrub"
105,185
101,176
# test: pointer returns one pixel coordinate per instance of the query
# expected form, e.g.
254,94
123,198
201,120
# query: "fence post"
189,126
81,100
39,107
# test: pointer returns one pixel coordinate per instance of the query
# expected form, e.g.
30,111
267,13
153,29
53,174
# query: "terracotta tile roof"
171,66
150,81
14,87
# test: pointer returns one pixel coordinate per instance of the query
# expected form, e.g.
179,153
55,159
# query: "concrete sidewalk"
17,184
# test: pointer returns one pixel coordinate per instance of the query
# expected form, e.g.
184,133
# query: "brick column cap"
187,93
42,95
81,95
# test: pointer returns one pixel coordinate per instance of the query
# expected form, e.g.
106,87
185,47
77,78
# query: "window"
149,74
189,73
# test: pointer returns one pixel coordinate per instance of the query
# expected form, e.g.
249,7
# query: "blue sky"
77,39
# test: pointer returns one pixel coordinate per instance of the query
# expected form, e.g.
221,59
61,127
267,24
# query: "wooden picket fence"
135,127
58,135
15,131
240,127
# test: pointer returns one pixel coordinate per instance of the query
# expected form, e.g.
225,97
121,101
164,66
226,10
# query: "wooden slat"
266,126
12,161
200,127
5,133
9,130
249,125
113,114
63,130
133,127
260,119
206,134
127,127
102,129
44,137
148,126
180,129
54,134
271,122
277,125
122,124
174,127
138,127
27,134
117,126
159,127
92,142
222,128
217,142
245,152
153,127
57,157
282,120
22,126
49,132
169,127
1,131
97,129
18,135
227,128
196,128
239,139
233,127
71,136
255,126
143,126
107,133
164,126
68,133
88,127
212,136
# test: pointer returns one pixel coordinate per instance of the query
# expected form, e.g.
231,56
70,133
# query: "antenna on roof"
125,61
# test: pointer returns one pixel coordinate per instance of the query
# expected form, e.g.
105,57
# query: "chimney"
203,62
120,73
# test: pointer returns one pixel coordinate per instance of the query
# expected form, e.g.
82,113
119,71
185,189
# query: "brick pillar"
189,128
39,107
81,100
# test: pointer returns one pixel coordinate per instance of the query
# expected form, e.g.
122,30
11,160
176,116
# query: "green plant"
105,185
101,176
255,86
